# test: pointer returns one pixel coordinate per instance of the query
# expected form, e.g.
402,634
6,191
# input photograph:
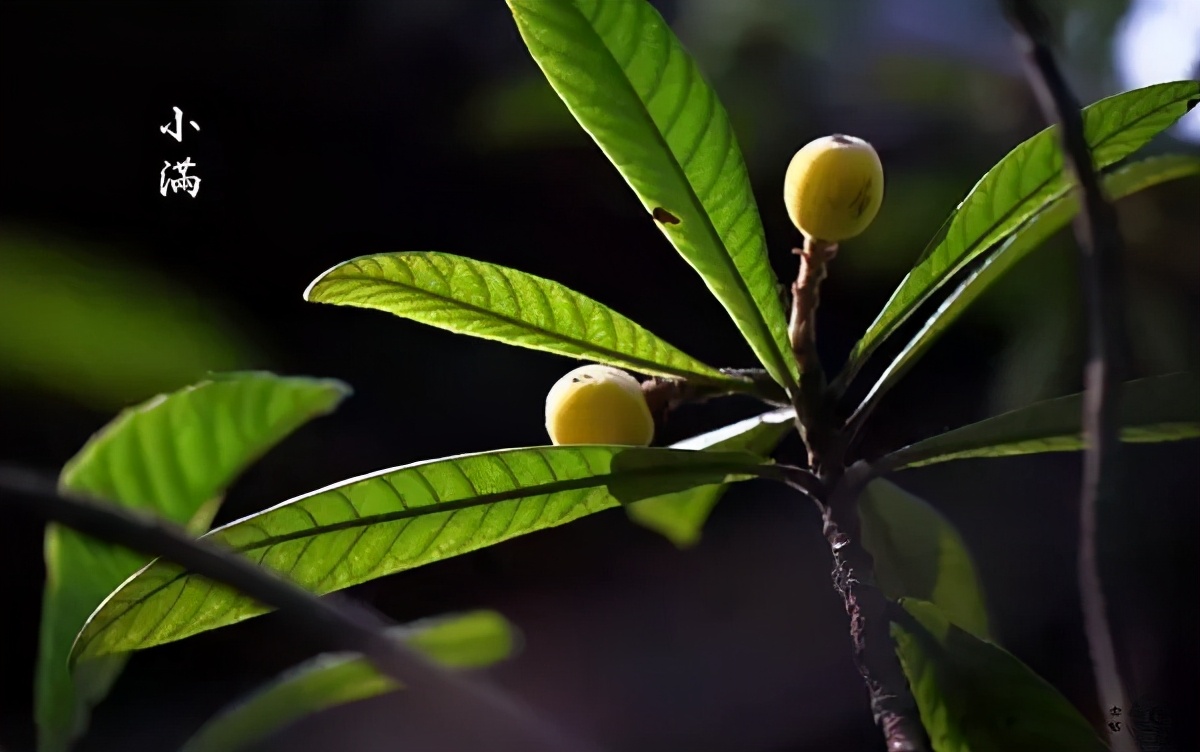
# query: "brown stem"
1100,248
813,416
664,395
892,703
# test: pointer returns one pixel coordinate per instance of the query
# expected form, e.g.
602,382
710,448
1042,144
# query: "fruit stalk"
812,416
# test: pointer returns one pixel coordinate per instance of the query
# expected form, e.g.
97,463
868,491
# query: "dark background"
334,129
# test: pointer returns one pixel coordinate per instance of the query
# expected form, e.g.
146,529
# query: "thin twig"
475,713
813,418
1100,248
665,394
803,480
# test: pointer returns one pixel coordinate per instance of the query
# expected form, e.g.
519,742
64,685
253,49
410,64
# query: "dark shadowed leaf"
1161,408
974,696
397,519
636,91
1055,216
919,554
681,516
1026,180
472,640
494,302
174,456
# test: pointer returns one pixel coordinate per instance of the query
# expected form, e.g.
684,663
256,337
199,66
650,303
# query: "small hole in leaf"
664,216
1192,103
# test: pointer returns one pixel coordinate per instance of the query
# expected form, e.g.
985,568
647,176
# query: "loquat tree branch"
1100,248
836,490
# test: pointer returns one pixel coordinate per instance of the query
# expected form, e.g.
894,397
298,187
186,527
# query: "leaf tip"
312,293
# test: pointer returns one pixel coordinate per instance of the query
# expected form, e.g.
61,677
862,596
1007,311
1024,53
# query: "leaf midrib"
544,489
648,366
709,227
900,317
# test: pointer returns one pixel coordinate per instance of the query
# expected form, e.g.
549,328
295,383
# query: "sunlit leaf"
919,554
1161,408
494,302
973,696
1026,180
1055,216
472,640
636,91
397,519
174,456
681,516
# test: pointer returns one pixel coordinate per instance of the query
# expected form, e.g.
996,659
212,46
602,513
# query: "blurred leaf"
1027,179
78,322
681,516
974,696
517,114
173,455
636,91
919,554
493,302
397,519
1049,220
1160,408
472,640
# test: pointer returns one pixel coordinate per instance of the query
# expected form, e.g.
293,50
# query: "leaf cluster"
631,85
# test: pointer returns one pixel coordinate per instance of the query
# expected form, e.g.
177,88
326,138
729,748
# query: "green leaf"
681,516
919,554
1027,179
1160,408
973,696
78,320
173,455
636,91
397,519
1033,233
494,302
474,640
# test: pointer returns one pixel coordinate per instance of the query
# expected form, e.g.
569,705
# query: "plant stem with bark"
813,415
892,704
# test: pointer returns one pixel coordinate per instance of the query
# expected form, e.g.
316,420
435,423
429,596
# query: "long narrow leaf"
493,302
1037,230
472,640
173,456
1161,408
680,517
398,519
973,696
1025,181
636,91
